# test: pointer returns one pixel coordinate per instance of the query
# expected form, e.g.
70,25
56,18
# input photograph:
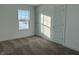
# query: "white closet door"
59,24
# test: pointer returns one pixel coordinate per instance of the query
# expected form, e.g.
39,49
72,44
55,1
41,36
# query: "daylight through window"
45,25
23,17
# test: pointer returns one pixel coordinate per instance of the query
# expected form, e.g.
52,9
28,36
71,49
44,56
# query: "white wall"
9,22
72,27
72,24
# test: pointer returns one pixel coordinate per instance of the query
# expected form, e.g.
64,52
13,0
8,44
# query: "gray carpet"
33,46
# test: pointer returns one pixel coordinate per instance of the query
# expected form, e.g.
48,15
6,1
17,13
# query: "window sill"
24,30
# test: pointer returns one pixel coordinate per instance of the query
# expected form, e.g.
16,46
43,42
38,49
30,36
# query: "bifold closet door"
59,24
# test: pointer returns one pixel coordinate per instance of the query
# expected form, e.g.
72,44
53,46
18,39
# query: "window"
23,17
45,25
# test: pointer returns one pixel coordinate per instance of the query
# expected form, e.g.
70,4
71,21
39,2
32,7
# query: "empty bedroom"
39,29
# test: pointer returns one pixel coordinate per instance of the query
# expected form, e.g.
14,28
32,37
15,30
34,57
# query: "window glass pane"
23,25
47,20
19,17
23,17
47,31
23,14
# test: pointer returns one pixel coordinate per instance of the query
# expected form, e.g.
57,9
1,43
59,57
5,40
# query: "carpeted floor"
33,46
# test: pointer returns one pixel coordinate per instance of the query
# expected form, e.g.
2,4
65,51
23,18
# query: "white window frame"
24,20
43,25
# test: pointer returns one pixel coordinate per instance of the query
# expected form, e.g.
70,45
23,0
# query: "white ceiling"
34,4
